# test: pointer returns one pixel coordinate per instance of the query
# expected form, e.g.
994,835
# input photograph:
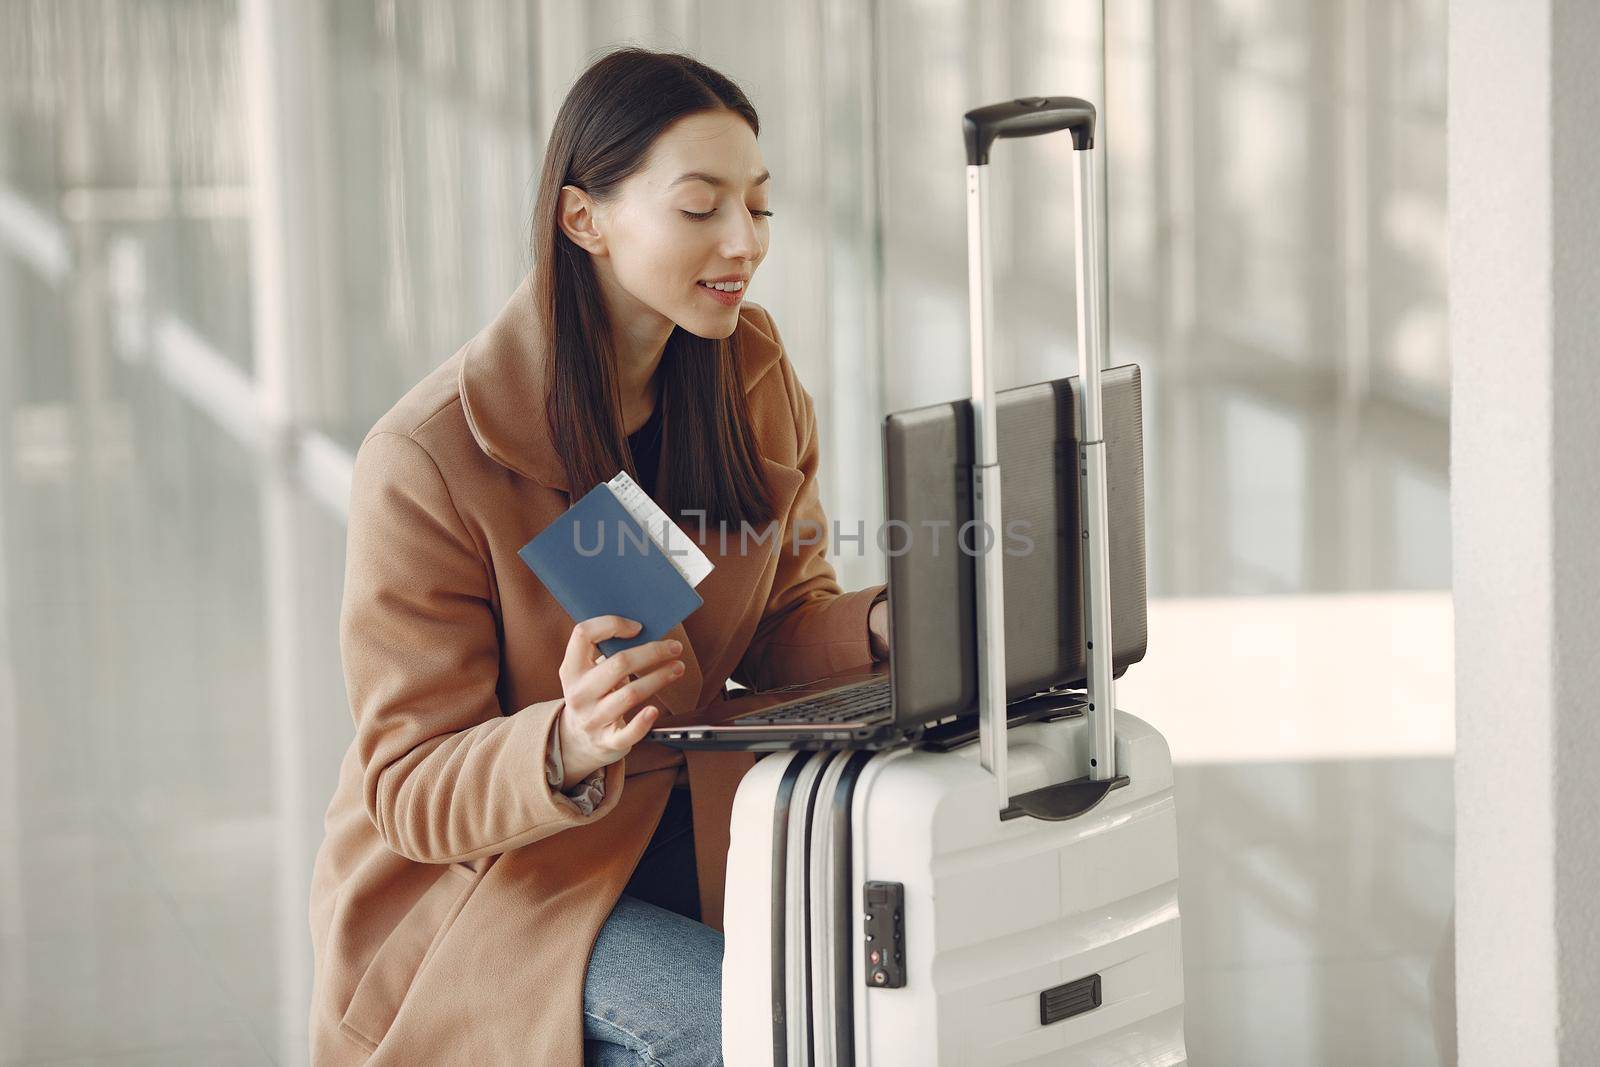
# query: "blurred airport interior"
234,232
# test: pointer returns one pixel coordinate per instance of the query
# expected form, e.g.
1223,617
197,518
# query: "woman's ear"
577,216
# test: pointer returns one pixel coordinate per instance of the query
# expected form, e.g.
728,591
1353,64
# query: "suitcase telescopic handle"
1032,116
1027,116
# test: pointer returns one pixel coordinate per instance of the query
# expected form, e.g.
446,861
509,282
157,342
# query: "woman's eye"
702,215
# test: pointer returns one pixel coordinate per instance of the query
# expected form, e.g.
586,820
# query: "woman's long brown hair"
602,135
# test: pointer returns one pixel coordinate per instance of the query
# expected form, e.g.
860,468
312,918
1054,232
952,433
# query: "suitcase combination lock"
885,940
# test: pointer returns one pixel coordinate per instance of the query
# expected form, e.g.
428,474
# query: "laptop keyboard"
849,704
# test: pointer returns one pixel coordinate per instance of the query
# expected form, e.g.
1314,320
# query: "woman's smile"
726,297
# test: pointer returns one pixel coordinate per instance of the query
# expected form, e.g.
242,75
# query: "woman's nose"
741,241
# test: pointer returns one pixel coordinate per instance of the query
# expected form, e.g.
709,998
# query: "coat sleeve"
809,627
446,775
588,793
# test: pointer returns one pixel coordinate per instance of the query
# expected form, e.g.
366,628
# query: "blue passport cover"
597,560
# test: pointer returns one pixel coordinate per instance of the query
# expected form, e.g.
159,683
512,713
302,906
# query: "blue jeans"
653,994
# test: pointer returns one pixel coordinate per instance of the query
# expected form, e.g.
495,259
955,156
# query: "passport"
598,559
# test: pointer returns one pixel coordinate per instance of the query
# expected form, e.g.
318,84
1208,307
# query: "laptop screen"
933,543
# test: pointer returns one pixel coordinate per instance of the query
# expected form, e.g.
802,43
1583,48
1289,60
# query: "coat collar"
503,391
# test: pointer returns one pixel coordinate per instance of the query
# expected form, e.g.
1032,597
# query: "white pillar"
286,92
293,306
1524,173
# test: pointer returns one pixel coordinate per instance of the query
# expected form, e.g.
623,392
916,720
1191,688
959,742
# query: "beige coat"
456,897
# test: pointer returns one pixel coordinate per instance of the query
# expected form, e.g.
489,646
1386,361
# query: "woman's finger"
618,669
583,644
624,698
626,735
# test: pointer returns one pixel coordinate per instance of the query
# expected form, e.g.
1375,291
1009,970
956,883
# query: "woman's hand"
878,630
594,730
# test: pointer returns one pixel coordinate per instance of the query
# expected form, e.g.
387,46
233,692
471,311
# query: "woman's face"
696,212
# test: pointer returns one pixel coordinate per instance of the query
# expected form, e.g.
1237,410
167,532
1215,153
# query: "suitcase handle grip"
1027,116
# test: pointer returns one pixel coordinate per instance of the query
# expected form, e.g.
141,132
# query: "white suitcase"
991,903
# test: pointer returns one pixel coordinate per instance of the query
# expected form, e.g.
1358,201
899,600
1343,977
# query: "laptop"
927,691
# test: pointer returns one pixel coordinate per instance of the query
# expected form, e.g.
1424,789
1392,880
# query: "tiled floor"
1314,896
171,716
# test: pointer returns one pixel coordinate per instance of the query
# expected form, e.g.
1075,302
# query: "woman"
512,873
